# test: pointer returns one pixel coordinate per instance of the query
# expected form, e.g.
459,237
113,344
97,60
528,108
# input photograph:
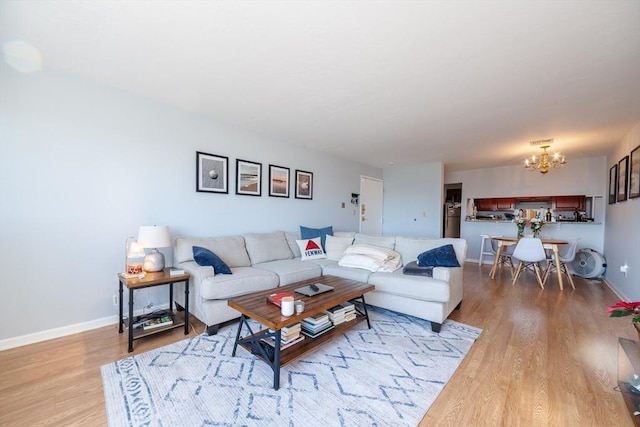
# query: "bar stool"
483,249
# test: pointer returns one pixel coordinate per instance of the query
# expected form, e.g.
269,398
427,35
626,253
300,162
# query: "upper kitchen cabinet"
563,203
505,204
486,204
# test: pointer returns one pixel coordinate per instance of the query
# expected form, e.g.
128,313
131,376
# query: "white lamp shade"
154,236
135,250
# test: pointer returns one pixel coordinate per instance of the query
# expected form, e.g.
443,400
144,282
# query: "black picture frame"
623,178
304,185
212,173
613,184
248,178
634,173
278,181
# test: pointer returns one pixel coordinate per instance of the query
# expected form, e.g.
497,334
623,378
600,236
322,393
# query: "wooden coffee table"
256,306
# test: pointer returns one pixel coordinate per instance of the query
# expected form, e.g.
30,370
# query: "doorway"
371,199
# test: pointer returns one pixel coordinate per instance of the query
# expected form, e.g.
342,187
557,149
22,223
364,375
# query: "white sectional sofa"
261,261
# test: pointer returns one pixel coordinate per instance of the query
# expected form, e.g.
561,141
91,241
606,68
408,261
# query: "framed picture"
304,185
613,184
634,173
248,178
278,181
623,177
212,173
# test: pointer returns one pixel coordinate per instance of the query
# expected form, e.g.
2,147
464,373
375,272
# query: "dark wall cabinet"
486,204
561,203
502,204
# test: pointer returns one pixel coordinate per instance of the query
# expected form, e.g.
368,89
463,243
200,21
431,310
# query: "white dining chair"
529,251
505,254
565,257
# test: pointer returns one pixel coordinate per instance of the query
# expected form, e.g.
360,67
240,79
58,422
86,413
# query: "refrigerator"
451,226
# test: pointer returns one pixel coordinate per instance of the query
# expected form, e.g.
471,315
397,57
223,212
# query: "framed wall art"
634,173
212,173
623,166
248,178
278,181
613,184
304,185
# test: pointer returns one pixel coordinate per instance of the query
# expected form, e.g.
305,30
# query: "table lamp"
154,237
133,258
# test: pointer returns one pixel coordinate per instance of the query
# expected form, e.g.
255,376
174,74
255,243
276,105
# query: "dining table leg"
556,259
492,274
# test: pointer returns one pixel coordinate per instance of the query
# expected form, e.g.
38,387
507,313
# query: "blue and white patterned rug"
388,375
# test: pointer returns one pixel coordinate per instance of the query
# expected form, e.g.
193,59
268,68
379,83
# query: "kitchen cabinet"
486,204
564,203
505,204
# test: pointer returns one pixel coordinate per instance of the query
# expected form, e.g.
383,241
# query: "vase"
520,232
536,233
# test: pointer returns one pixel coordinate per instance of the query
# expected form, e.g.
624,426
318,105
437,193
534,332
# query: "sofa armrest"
198,272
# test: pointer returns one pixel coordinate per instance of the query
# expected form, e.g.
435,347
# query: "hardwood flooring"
545,358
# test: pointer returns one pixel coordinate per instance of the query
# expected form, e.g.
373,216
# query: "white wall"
622,230
413,200
82,166
579,176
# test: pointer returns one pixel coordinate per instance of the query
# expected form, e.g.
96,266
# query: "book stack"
336,314
349,311
289,336
317,325
157,322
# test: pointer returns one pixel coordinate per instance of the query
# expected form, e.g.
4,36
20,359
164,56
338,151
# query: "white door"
370,206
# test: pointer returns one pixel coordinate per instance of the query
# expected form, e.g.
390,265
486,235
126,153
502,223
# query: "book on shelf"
317,334
173,271
283,345
316,319
315,328
277,297
157,322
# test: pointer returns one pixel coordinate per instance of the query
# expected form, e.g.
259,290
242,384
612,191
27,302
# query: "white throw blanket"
372,258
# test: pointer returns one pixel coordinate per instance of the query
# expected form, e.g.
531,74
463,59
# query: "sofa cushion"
244,280
291,237
411,247
264,247
292,270
382,241
357,274
443,256
205,257
310,249
416,287
335,246
230,249
310,233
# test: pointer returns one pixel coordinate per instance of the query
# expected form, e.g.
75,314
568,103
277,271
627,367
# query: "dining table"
549,244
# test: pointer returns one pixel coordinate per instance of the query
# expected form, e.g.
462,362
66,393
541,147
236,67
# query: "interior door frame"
368,199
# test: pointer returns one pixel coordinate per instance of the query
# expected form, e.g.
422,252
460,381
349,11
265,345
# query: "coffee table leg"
276,361
235,344
364,307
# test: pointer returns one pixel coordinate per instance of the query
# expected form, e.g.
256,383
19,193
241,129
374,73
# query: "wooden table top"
257,307
544,240
151,279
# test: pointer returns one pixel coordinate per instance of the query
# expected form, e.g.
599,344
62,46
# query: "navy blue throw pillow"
204,256
312,233
444,256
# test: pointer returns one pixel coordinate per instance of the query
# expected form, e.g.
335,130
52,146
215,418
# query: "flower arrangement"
520,223
536,226
622,308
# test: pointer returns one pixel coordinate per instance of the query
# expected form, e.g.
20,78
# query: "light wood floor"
545,358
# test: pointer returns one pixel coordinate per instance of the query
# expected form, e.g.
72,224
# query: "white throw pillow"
336,246
311,249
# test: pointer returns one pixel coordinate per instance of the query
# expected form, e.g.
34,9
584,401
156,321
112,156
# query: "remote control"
314,288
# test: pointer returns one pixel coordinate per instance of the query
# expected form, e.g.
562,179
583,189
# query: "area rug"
388,375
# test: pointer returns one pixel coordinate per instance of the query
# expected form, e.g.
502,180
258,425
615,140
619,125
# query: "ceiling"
467,83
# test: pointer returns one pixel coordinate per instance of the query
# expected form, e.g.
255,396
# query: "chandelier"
543,163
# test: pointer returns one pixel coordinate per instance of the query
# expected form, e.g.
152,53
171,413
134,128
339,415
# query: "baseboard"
63,331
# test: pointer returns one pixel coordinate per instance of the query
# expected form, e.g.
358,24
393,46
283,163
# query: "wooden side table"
150,280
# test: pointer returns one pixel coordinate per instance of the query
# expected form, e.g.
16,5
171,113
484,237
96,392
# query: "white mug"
286,306
299,306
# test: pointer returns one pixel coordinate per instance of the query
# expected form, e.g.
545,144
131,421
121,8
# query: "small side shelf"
629,364
178,321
